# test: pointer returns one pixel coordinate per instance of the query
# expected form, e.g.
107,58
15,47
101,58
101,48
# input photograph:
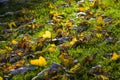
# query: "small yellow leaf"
8,48
54,18
98,35
100,20
115,56
51,6
24,11
14,42
99,28
33,26
104,77
74,40
81,35
52,45
66,59
47,34
69,25
21,19
51,49
31,11
12,24
56,14
95,3
74,68
1,78
81,9
72,43
19,54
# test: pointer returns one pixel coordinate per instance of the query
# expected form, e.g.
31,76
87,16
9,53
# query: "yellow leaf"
115,56
95,3
39,62
56,14
51,6
31,11
11,24
74,40
74,68
81,35
54,18
42,61
106,34
98,35
72,43
51,49
21,19
100,20
104,77
52,45
19,54
33,26
24,11
35,62
8,48
1,78
47,34
81,9
66,59
99,28
14,42
69,25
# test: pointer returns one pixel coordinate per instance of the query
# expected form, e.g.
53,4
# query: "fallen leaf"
1,78
69,25
98,35
74,68
39,62
81,9
103,77
47,34
100,20
8,48
51,6
14,42
51,49
11,24
115,56
66,59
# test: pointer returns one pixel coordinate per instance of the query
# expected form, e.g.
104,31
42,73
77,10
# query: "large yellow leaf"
39,62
